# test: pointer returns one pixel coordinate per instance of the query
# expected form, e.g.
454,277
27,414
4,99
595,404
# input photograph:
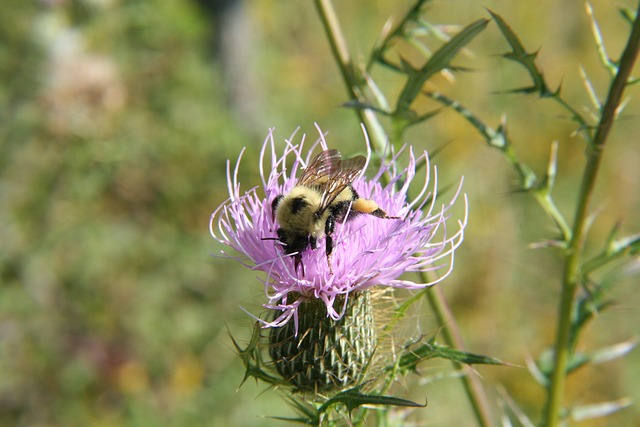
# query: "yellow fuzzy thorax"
305,220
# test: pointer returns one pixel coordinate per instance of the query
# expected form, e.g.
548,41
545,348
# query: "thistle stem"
341,54
453,338
572,270
338,45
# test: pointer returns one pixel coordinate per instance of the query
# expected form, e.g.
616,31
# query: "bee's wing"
320,168
328,172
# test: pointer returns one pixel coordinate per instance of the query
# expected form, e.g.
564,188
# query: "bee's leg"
379,213
329,249
371,208
297,262
329,226
342,211
313,242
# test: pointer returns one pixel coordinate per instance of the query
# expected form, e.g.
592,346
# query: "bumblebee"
322,197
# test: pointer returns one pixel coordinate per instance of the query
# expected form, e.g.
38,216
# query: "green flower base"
326,354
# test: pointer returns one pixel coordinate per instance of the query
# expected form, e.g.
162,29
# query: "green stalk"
453,338
341,54
572,270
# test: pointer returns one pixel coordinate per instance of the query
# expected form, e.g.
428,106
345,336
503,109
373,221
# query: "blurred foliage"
114,141
115,126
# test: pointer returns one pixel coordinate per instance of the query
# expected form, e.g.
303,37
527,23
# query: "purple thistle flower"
368,251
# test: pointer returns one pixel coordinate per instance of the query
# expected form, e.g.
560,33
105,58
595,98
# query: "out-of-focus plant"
103,141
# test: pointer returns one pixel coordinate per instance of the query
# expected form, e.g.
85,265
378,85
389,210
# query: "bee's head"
293,241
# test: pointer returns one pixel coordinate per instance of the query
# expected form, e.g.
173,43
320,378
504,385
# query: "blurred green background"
116,120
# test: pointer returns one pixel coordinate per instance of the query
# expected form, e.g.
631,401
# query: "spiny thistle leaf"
536,367
628,244
614,351
627,14
252,359
493,137
598,410
305,421
524,58
400,30
424,117
576,361
440,60
510,409
590,89
543,194
546,184
615,248
611,66
353,398
588,305
376,92
543,370
412,357
545,365
354,103
309,413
